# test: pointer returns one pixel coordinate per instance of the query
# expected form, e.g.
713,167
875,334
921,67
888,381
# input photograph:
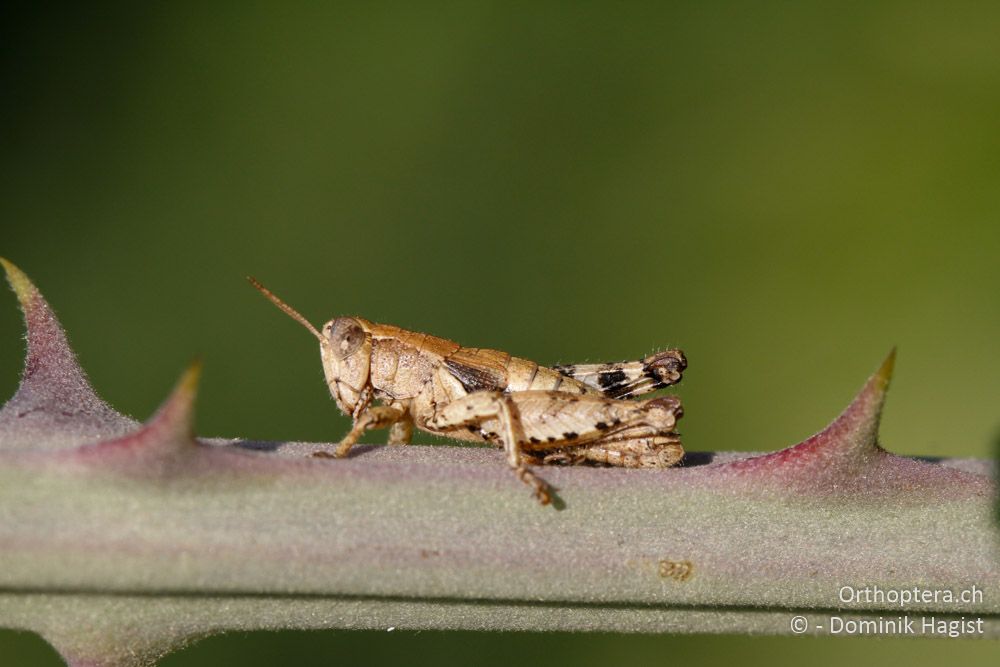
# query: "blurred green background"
784,190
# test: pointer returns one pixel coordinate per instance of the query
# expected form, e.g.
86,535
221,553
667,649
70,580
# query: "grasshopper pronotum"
563,414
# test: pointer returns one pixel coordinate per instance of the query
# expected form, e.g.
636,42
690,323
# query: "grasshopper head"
346,348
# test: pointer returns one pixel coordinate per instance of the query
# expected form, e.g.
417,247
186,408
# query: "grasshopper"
567,414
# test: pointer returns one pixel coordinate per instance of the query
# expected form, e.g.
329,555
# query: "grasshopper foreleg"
378,416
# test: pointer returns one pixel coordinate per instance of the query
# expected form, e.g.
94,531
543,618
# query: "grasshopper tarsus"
569,414
542,489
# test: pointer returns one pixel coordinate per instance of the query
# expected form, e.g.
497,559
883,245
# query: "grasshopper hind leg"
639,452
500,409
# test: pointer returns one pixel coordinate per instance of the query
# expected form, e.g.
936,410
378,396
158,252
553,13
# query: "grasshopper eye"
346,336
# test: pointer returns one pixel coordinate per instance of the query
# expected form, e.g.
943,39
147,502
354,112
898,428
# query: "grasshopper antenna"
291,312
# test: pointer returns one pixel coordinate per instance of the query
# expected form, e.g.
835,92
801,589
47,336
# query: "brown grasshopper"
563,414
